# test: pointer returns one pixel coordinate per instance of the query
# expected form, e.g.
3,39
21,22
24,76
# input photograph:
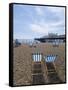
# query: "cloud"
45,28
57,11
38,28
46,25
39,20
39,10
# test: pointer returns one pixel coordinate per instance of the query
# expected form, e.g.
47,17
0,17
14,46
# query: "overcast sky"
36,21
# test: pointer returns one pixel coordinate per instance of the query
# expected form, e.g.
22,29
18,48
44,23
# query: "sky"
31,22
